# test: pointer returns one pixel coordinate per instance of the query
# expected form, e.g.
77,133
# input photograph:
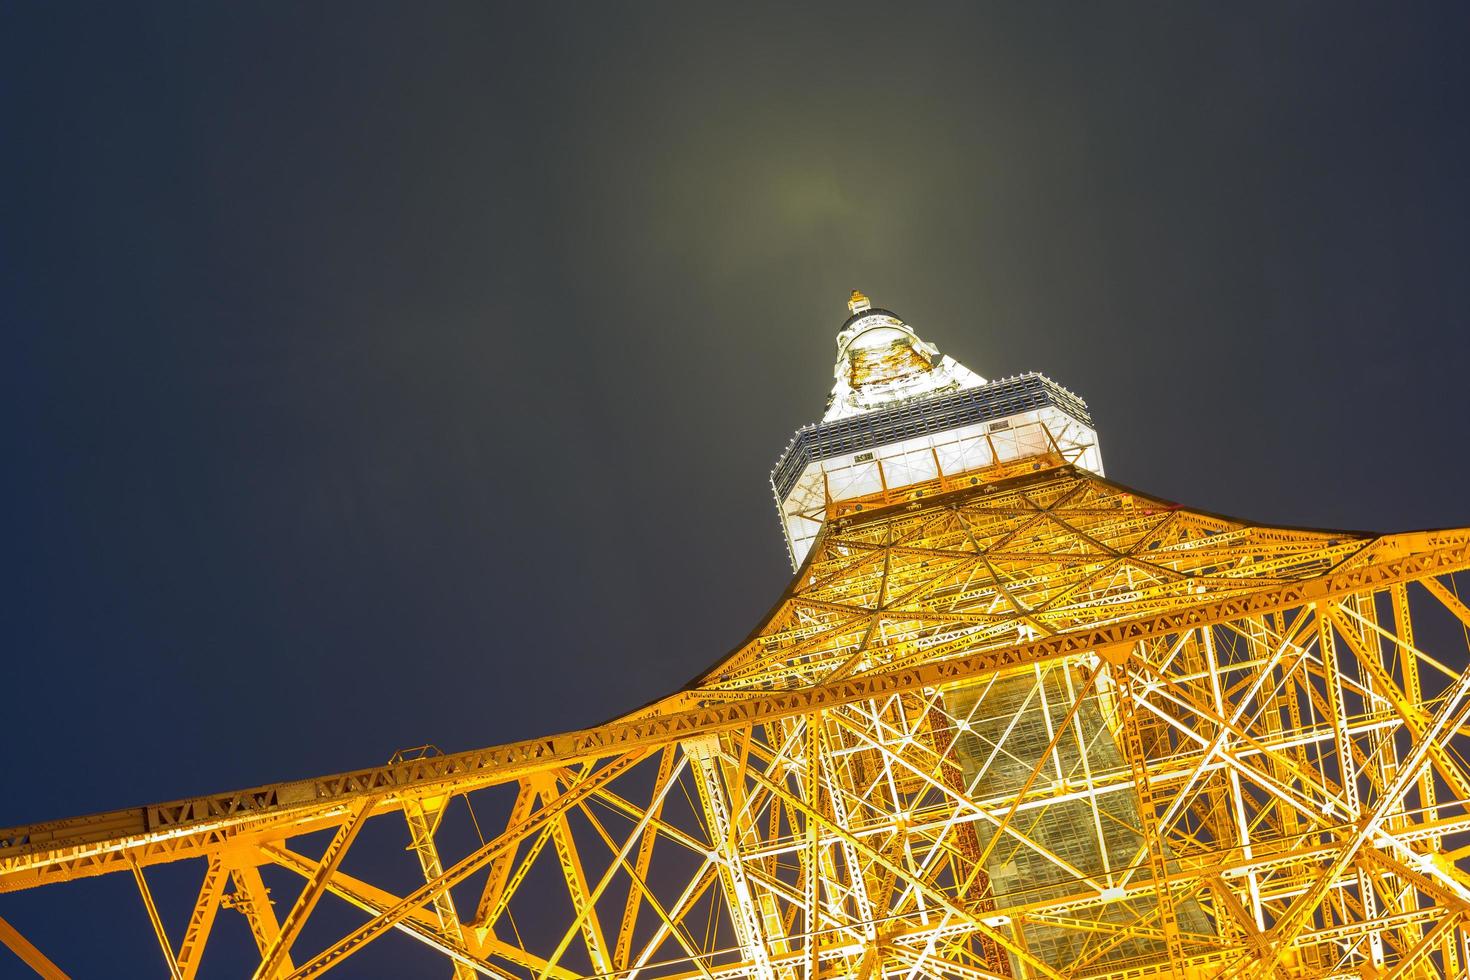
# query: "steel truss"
1048,727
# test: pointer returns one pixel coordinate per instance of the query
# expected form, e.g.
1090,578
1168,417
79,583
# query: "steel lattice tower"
1009,720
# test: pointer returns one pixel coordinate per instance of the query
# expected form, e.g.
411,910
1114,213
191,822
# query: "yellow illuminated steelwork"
1033,724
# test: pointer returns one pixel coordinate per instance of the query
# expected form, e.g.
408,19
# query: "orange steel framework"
1290,752
1038,725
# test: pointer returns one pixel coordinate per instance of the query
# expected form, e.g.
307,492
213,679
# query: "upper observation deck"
904,420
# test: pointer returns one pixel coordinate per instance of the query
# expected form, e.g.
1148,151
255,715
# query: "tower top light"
882,362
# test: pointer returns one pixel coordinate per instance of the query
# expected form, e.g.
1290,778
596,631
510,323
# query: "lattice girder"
1049,727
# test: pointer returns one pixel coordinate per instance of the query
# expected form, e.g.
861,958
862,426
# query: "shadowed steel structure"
1010,719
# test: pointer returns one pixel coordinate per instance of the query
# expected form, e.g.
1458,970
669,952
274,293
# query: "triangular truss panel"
1042,728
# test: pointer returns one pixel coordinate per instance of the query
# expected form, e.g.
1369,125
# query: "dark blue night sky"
379,375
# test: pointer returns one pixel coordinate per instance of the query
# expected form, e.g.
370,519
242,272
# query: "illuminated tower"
1009,720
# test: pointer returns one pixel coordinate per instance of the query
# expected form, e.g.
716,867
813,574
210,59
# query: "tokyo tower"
1009,719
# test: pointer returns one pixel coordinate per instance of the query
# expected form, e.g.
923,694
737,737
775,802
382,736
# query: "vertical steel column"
745,917
423,817
1147,810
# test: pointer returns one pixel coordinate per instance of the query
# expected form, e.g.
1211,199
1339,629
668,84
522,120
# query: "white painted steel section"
878,331
910,461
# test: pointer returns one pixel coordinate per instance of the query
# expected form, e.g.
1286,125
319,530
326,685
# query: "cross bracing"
1043,727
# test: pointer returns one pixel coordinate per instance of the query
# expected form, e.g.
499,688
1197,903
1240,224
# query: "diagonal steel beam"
423,817
32,957
1451,715
157,923
253,900
201,919
272,962
935,895
421,925
366,933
